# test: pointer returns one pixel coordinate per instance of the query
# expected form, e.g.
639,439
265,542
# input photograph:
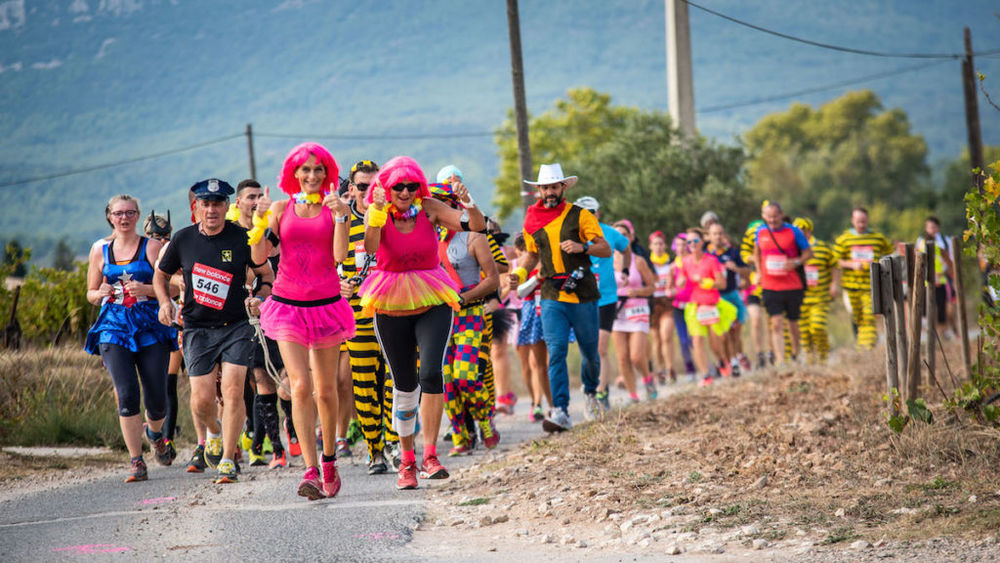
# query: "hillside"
84,82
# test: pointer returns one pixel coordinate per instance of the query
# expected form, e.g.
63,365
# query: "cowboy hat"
552,174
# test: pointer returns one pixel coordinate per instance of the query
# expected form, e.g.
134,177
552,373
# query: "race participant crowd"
374,307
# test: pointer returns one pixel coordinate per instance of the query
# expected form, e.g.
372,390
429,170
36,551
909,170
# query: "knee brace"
404,411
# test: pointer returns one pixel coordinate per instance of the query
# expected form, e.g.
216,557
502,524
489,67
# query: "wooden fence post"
899,301
963,321
883,268
930,250
916,312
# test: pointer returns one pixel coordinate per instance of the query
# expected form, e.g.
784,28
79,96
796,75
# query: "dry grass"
58,397
802,448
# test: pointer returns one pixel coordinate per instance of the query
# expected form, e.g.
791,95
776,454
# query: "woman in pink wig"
412,299
306,314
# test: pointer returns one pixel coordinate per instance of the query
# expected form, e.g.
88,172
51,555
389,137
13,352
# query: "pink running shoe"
407,477
433,469
331,479
310,486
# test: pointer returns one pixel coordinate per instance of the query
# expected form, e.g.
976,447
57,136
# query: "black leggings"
400,337
170,424
151,362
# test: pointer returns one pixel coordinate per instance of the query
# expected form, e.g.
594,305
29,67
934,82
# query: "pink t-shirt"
706,268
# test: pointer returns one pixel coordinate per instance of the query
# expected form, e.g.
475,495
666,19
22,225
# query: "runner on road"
214,258
126,333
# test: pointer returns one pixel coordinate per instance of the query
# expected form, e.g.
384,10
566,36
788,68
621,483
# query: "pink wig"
401,169
678,242
297,157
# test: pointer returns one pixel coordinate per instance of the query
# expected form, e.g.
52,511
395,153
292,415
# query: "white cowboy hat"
552,174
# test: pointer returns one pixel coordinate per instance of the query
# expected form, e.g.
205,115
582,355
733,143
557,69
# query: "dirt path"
786,465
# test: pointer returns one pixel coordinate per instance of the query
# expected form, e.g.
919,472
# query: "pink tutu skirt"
321,326
399,292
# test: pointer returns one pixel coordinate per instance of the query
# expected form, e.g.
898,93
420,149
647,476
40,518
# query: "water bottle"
569,286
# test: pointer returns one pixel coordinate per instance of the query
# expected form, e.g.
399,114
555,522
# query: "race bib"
636,311
210,286
812,275
707,315
360,256
864,254
661,283
775,264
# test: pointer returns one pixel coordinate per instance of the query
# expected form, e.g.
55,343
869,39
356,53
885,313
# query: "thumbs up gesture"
264,202
378,196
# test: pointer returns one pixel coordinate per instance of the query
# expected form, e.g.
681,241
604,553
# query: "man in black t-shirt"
214,257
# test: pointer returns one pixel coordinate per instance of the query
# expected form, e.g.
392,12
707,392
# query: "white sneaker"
557,421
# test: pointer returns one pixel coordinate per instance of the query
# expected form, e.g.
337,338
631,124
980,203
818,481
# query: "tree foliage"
850,151
646,172
568,133
634,162
950,201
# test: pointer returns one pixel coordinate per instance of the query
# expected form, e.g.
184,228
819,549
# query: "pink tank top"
634,280
308,271
415,250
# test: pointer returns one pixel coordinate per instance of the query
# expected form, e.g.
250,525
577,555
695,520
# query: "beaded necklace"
303,197
409,213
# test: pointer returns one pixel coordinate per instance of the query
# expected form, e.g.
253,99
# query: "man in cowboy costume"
560,238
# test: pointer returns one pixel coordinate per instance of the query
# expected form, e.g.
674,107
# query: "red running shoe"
490,435
407,477
331,479
433,469
294,449
310,486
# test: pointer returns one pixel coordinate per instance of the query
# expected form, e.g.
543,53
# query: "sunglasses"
362,187
693,241
411,187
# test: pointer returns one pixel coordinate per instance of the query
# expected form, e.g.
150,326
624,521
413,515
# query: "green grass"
840,535
475,502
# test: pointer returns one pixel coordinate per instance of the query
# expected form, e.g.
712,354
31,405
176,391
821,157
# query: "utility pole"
520,105
253,164
972,112
680,78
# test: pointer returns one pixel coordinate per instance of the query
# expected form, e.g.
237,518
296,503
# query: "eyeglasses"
363,186
410,187
693,241
130,213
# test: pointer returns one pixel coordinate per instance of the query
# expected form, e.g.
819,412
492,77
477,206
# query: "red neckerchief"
537,216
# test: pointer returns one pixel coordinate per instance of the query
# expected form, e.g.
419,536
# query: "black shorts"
206,347
606,316
753,299
257,354
787,303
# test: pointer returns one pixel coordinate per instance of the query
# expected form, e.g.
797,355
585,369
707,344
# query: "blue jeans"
557,319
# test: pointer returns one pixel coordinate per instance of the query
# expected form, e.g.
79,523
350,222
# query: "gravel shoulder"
784,465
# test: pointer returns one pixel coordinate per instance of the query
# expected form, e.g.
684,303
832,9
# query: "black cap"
212,189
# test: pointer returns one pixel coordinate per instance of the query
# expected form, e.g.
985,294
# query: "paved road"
176,515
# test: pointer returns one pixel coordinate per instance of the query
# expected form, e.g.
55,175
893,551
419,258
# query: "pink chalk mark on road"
157,500
378,536
94,548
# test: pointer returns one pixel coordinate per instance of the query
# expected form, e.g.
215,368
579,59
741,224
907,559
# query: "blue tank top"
137,269
127,320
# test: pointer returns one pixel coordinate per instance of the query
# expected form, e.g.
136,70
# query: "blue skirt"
132,327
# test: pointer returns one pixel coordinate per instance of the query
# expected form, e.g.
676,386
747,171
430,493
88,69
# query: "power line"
122,162
777,97
347,137
838,47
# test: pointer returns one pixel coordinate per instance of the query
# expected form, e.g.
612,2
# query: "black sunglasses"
411,187
362,186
